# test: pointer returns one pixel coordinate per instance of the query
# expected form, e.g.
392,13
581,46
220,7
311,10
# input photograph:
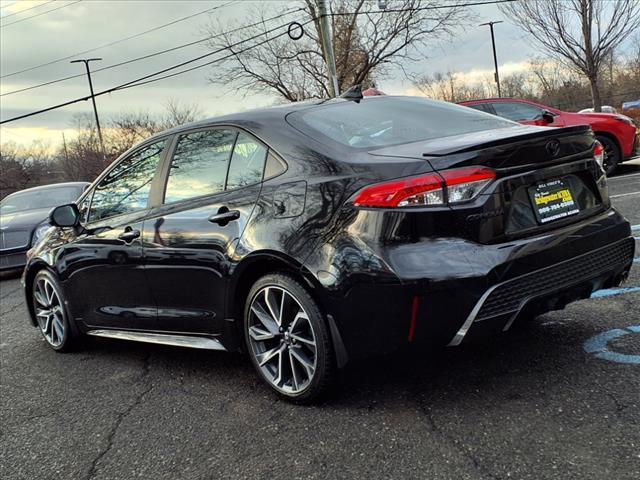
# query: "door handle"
224,216
129,235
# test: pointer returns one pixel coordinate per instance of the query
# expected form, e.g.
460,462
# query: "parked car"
315,233
617,133
603,109
24,217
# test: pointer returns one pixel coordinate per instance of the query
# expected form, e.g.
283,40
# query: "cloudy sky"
33,37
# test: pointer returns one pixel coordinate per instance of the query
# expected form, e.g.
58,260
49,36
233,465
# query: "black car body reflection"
175,234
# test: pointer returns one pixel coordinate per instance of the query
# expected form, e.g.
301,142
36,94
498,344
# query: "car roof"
264,116
259,115
497,99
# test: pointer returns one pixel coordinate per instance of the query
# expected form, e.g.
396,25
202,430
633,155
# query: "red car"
617,133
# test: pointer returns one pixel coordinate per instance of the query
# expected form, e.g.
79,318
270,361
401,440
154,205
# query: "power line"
118,41
27,9
418,9
144,57
145,79
137,84
230,47
39,14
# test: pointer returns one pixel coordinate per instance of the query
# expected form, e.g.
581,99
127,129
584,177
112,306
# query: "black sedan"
24,217
316,233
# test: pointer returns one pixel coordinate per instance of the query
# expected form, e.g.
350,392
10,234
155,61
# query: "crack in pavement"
120,418
7,295
12,309
452,440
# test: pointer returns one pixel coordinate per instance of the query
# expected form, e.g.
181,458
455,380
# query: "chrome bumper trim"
461,333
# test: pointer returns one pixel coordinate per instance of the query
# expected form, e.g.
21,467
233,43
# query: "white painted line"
624,194
635,227
622,177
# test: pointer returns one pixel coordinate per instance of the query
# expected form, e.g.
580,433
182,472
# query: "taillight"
433,189
466,183
598,154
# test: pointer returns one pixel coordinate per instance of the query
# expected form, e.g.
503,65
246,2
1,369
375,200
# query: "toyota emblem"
553,148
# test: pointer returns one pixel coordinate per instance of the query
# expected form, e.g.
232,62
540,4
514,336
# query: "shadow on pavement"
10,274
539,356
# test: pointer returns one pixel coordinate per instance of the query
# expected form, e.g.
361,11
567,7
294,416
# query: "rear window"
381,122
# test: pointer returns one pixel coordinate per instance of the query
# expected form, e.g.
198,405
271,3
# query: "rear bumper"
450,288
551,287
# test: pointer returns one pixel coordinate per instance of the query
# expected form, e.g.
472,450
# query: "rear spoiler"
443,146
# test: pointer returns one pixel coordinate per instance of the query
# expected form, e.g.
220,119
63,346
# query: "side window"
247,162
199,164
126,187
274,167
83,207
517,111
479,106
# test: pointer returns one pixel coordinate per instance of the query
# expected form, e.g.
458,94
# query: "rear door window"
199,164
247,162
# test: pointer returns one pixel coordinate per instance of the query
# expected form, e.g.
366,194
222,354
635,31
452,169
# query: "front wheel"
611,154
51,312
287,338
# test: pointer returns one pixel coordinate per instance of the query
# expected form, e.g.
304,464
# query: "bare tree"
129,128
177,113
580,33
23,167
450,87
80,158
367,42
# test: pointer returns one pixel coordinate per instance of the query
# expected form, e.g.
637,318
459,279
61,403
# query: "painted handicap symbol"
599,347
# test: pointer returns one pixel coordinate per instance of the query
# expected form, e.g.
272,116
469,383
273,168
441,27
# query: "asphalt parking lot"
544,401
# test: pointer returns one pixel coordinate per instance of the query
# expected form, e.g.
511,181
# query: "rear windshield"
381,122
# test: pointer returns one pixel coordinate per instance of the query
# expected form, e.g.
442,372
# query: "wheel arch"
610,136
256,265
30,273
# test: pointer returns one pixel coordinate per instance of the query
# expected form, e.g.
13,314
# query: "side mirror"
65,216
547,116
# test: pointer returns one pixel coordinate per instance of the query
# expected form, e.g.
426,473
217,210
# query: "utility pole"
327,48
495,57
93,99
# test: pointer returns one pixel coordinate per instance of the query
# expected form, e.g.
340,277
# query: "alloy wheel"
608,155
282,340
49,312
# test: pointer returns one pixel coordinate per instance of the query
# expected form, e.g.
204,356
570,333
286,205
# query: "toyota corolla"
315,233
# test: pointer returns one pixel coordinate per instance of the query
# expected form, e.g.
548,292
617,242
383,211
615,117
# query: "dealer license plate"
552,200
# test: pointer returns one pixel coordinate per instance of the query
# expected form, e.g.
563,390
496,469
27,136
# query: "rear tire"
612,154
50,310
287,338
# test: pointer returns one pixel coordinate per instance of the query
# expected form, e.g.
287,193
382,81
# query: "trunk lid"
526,159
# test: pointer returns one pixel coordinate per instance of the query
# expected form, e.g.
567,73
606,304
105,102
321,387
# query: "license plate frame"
553,200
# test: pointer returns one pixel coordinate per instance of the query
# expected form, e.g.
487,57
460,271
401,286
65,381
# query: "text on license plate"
553,200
